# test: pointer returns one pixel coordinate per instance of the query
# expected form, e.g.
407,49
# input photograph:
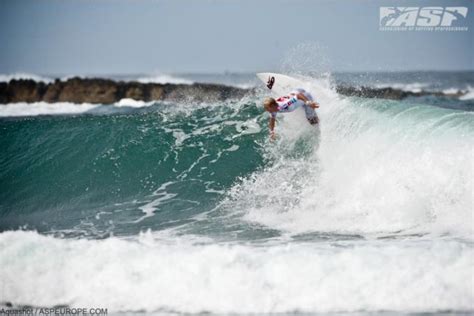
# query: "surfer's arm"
271,125
312,104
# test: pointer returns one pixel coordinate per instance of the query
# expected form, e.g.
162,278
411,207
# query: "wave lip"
147,274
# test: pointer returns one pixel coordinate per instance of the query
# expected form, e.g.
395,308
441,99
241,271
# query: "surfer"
288,103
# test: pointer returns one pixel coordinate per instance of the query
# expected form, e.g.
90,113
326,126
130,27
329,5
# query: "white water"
127,102
44,108
164,78
409,87
469,94
61,108
148,274
399,169
415,87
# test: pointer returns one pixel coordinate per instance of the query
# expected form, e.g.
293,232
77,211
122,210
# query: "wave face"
190,208
159,159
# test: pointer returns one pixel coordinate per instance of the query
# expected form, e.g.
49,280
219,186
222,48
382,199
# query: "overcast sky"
85,37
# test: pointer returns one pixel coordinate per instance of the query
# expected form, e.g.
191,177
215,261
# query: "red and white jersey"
289,103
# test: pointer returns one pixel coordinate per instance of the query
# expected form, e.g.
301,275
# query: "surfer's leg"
314,120
311,115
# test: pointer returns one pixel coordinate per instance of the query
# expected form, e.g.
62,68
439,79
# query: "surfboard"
280,84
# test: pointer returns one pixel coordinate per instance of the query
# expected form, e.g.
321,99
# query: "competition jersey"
289,103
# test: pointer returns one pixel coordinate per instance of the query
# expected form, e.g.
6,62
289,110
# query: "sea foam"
146,274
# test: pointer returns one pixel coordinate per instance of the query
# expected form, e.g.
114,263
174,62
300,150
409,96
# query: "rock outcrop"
105,91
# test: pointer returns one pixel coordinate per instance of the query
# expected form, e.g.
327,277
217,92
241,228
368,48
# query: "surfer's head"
270,105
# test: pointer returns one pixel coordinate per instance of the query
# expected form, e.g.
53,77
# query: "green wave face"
124,172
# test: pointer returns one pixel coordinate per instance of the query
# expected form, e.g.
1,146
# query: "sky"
93,37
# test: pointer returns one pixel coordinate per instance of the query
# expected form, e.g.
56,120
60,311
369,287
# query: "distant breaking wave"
163,79
469,94
408,87
418,87
64,108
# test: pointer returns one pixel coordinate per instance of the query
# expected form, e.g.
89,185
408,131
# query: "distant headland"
106,91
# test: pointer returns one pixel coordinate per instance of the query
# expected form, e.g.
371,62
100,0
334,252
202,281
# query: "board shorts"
311,114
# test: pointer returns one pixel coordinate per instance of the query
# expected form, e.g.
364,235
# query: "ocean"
179,207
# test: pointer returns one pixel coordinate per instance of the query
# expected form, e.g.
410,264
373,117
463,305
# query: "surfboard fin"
270,82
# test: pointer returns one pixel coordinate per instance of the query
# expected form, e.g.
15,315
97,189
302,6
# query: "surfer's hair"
268,103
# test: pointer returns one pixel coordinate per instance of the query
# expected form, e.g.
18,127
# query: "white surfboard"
282,84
